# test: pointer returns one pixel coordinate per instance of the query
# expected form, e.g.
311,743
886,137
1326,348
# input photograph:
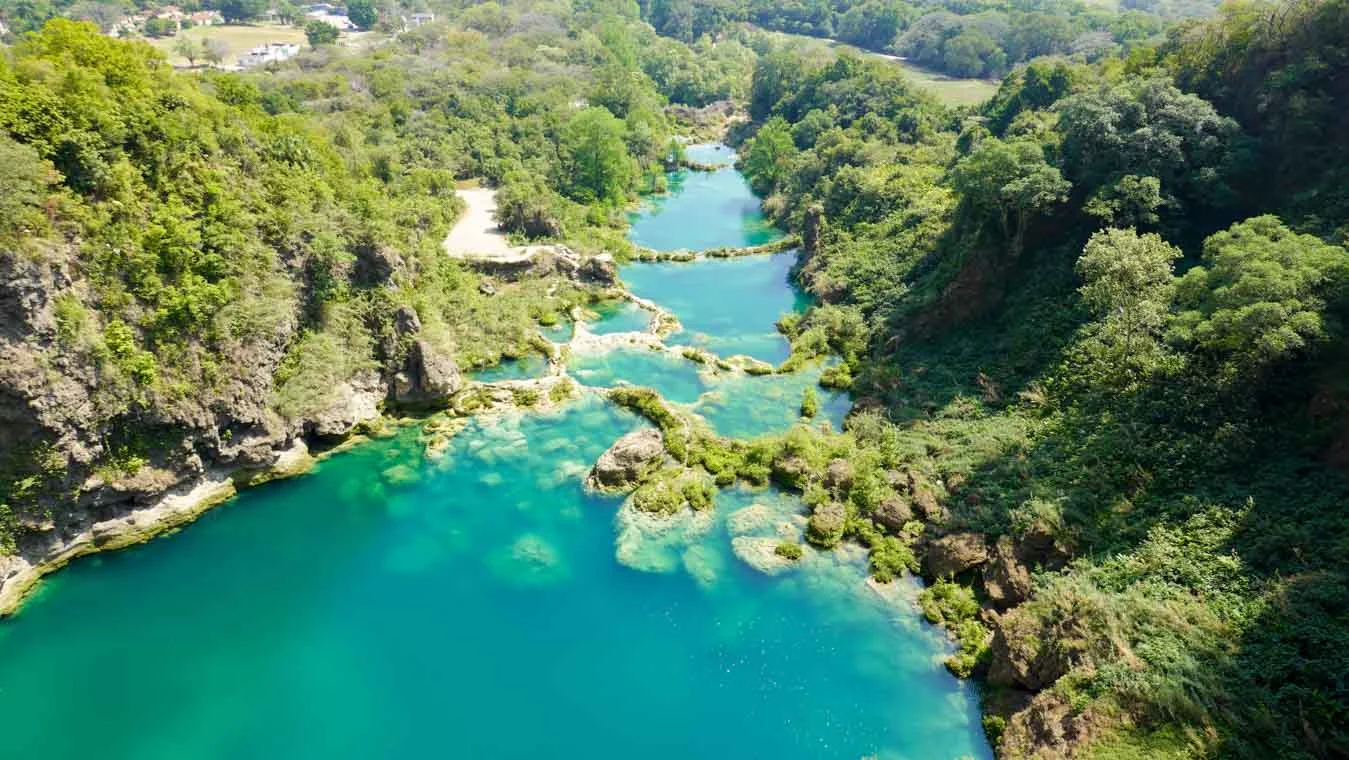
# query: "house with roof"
272,52
340,21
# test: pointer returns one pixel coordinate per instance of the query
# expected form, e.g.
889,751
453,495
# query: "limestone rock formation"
1025,654
838,477
1007,581
354,401
893,513
631,459
954,554
428,378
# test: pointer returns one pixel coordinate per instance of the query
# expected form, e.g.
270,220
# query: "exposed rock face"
839,475
954,554
547,260
893,513
1007,581
599,269
354,401
1049,728
63,410
376,265
1025,654
825,527
428,379
812,230
790,472
406,321
631,459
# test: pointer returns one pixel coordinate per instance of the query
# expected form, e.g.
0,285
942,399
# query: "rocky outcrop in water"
428,378
630,460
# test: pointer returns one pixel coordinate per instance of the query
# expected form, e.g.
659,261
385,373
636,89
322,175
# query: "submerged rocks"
954,554
761,554
656,543
631,459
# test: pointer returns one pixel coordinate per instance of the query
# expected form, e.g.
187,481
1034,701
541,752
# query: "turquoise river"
483,605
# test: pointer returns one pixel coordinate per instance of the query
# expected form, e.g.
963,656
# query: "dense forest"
1094,328
963,39
1105,312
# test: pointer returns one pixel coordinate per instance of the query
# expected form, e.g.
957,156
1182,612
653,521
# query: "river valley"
481,603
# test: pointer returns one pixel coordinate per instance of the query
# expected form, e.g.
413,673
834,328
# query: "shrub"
810,403
825,527
789,550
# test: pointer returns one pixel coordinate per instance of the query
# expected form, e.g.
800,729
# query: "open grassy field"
239,39
951,90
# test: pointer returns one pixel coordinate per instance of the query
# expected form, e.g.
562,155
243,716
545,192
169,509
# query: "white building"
340,21
272,52
418,19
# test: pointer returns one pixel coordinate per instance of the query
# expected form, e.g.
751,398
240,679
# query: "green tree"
1128,282
26,182
526,205
236,11
320,33
1130,201
189,49
1009,179
1260,294
214,50
1149,129
287,12
770,155
597,165
362,13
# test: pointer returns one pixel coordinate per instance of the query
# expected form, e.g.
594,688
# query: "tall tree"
770,155
1128,282
236,11
362,13
1012,181
1260,294
320,33
598,167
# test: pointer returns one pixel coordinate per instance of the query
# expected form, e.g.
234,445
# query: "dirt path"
476,231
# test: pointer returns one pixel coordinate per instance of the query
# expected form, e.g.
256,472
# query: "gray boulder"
956,553
428,379
630,460
893,513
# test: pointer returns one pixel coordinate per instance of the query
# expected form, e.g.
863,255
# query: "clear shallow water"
710,153
744,406
676,378
702,210
484,605
387,606
558,333
619,316
528,366
728,306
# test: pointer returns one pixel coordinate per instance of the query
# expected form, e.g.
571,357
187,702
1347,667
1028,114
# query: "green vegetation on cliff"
1103,316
